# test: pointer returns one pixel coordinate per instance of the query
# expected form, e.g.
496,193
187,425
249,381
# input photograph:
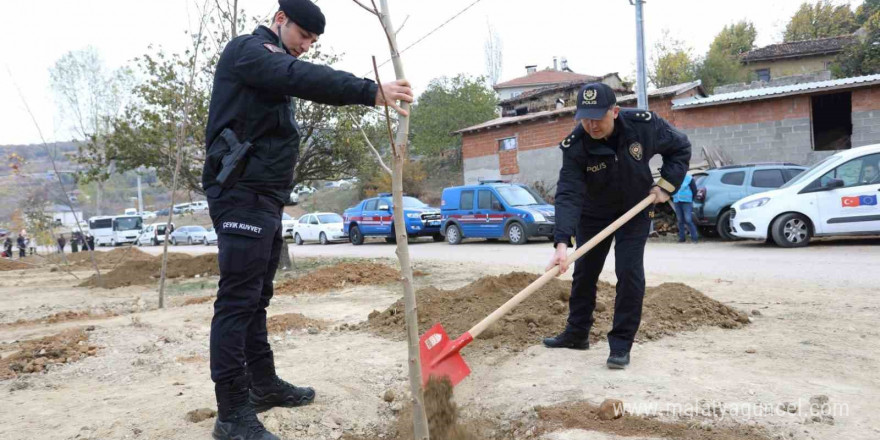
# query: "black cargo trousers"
249,239
629,264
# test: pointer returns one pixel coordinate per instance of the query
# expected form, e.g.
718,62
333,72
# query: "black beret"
304,13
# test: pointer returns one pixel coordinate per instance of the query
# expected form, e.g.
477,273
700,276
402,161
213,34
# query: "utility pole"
140,196
641,82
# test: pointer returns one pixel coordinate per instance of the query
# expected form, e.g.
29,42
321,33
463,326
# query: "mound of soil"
583,415
145,272
65,316
7,264
668,309
339,276
292,321
35,355
105,260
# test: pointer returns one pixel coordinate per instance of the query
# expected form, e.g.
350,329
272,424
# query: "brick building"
799,123
522,148
795,57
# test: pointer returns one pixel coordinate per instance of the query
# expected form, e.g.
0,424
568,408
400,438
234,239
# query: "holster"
234,157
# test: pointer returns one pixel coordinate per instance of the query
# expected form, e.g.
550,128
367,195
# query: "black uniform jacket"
253,83
604,178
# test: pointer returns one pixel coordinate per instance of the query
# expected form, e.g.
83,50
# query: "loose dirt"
340,276
65,316
7,264
199,300
146,271
583,415
105,260
37,355
293,321
668,309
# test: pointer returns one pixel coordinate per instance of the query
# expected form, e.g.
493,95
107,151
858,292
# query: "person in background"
74,242
683,201
32,245
61,243
22,246
7,247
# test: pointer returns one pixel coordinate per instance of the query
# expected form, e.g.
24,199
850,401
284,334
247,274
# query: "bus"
115,230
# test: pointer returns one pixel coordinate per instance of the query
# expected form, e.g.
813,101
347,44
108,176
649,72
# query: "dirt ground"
699,370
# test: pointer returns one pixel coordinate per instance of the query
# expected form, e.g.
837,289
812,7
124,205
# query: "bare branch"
370,144
401,26
371,11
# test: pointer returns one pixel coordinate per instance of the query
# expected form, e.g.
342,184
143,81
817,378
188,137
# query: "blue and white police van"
495,209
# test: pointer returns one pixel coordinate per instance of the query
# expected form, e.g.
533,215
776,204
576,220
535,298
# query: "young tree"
493,49
820,20
866,10
89,97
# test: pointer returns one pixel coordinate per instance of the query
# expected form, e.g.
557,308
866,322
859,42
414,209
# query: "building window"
507,144
763,75
832,121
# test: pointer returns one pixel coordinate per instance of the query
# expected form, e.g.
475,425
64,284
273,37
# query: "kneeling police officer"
252,146
604,173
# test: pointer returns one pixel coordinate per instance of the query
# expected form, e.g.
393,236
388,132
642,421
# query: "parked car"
198,206
153,234
323,227
493,210
837,196
189,235
304,189
211,236
373,218
162,213
293,198
287,225
721,187
147,214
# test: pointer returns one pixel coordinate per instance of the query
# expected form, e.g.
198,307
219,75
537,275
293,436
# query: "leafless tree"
493,48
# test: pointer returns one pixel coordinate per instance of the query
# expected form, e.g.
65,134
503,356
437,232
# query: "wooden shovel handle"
554,271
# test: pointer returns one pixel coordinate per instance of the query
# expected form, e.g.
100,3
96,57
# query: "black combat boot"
569,338
618,360
236,418
268,390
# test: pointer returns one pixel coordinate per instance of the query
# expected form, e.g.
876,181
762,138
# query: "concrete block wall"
788,140
866,117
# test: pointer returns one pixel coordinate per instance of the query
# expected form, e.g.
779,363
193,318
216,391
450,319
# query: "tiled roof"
802,48
663,91
548,76
507,120
776,92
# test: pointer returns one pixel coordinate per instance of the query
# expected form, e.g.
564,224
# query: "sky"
596,36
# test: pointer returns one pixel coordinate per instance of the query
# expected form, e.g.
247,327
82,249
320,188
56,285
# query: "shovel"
441,356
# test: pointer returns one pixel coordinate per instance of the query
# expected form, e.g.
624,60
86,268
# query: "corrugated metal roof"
776,92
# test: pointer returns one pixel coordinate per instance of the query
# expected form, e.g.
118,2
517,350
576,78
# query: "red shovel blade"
440,356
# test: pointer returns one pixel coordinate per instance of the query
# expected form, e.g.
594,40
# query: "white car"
322,227
211,236
302,189
293,199
189,235
153,234
198,206
837,196
287,225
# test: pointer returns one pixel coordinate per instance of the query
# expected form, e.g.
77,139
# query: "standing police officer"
604,173
252,146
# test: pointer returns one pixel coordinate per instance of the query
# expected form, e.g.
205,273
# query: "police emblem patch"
635,149
273,48
589,94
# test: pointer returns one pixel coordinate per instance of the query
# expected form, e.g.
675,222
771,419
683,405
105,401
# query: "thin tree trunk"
420,419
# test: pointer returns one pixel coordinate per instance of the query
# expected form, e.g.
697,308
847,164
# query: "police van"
495,209
837,196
